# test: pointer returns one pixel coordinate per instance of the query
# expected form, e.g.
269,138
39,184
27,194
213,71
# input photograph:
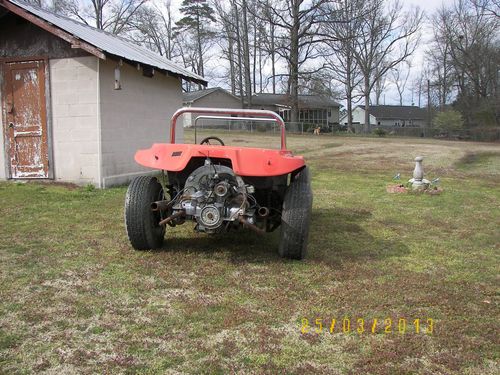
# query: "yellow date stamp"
373,326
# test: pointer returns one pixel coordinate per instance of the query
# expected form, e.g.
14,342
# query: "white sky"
427,5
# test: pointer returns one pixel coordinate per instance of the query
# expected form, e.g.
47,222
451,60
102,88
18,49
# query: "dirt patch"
67,185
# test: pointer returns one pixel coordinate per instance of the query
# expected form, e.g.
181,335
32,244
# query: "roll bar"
272,116
229,118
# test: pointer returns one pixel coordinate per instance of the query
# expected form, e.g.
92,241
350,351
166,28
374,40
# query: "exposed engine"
216,199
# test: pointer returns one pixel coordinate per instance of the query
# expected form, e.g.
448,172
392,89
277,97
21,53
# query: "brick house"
313,109
77,102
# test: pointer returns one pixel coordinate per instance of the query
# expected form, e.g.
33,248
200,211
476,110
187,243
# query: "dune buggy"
221,188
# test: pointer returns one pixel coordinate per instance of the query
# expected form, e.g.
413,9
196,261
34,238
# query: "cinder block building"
214,97
77,102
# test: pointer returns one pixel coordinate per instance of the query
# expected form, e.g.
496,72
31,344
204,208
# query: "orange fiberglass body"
246,161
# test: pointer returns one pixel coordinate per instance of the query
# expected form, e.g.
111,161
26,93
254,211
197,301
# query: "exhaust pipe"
160,205
172,217
263,211
251,226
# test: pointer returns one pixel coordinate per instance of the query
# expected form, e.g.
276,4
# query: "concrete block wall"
3,171
134,118
75,127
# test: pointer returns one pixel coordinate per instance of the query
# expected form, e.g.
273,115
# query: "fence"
473,134
266,127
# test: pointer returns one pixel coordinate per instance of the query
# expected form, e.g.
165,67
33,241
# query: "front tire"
295,216
141,222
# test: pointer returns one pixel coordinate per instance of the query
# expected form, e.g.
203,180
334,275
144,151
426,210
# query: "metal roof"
192,96
109,43
398,112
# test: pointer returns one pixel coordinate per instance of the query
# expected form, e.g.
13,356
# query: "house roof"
405,112
305,101
192,96
97,42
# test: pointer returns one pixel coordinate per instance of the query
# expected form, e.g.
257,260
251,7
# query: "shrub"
448,120
380,132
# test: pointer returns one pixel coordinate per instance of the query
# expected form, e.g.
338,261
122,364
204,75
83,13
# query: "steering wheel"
208,139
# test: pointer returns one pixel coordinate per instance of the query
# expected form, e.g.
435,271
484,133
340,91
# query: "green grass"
482,162
76,298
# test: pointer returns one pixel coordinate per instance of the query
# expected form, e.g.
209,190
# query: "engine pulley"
210,216
221,189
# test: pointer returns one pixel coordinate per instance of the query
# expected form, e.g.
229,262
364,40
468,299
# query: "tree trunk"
349,90
200,52
254,68
168,54
294,62
367,126
260,70
230,57
273,57
238,44
246,56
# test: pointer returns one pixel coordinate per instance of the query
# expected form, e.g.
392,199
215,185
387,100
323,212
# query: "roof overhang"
75,42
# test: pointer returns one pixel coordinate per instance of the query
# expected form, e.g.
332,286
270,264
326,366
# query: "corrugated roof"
109,43
305,101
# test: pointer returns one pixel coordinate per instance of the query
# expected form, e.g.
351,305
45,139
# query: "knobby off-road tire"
295,216
141,222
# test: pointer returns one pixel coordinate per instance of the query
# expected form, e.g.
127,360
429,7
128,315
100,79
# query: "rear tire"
295,216
141,222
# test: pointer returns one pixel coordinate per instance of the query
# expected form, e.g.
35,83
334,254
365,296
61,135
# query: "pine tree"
197,18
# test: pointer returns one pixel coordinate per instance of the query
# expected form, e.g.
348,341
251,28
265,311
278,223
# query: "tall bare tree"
380,85
468,30
341,23
299,24
246,52
388,36
114,16
399,76
438,59
227,41
154,29
488,7
269,36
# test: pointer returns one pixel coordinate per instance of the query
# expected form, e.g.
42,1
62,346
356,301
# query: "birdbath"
418,182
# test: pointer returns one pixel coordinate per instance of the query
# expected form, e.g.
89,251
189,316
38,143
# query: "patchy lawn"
75,298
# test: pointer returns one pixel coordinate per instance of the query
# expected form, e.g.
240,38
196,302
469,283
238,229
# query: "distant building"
214,97
389,116
77,102
313,109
